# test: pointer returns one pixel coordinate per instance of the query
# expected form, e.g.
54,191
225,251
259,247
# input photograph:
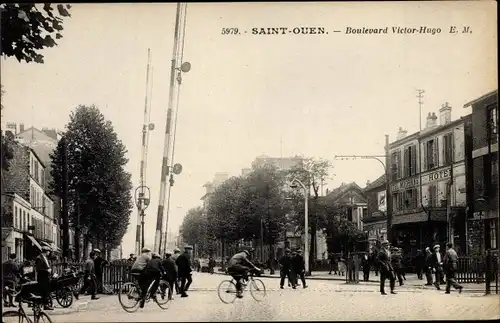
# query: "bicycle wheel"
227,291
43,318
129,292
257,289
64,297
162,295
13,317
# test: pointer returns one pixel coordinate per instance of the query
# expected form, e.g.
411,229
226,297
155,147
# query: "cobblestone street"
323,300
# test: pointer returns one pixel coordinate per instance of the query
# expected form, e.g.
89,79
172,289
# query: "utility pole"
65,200
388,191
166,147
420,96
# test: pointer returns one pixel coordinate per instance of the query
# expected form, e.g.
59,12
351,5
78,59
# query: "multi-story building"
28,211
375,221
482,174
427,178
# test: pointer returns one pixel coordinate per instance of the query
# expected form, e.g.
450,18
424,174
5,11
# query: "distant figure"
450,265
385,267
10,276
184,271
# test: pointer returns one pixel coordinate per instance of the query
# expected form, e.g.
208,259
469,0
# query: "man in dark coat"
450,265
89,280
153,271
183,263
299,268
99,263
385,267
285,268
428,266
43,273
10,276
170,273
366,264
419,264
396,262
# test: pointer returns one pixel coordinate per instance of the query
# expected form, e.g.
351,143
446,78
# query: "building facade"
375,222
427,178
482,171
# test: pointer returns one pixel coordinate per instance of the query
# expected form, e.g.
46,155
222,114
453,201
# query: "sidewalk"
411,281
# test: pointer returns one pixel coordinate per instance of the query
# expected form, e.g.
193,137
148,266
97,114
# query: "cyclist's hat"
45,248
188,248
97,250
177,250
146,250
155,255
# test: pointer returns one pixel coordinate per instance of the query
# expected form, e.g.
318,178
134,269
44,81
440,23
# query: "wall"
17,177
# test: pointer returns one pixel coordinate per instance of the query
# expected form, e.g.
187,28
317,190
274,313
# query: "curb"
307,277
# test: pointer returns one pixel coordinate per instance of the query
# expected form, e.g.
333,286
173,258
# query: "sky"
322,95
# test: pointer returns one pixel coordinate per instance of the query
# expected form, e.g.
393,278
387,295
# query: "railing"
470,270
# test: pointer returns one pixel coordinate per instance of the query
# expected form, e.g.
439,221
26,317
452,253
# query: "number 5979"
230,31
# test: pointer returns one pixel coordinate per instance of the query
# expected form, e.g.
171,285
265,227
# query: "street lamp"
306,221
142,203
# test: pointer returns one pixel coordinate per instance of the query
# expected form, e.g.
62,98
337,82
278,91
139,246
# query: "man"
10,275
139,267
238,267
153,272
43,272
366,264
419,264
428,266
397,265
299,268
89,280
184,270
211,265
437,265
285,267
99,263
176,254
450,264
385,267
170,268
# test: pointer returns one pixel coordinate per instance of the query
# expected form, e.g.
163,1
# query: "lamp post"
142,194
306,222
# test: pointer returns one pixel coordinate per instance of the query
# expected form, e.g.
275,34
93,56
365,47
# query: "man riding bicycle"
139,267
238,268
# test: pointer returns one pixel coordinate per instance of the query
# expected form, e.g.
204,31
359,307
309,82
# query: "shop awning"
34,242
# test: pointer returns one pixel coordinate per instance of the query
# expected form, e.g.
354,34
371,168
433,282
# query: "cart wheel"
64,297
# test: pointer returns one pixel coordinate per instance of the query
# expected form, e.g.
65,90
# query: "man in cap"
89,279
238,267
174,257
285,268
385,267
170,272
428,266
153,272
139,267
450,264
43,272
184,270
299,267
437,265
99,263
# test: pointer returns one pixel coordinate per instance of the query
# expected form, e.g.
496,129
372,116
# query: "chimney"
21,127
445,114
401,133
367,182
431,120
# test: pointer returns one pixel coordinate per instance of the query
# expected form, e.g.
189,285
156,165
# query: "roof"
376,183
339,192
483,97
34,133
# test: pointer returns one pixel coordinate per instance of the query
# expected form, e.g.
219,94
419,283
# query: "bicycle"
256,285
20,316
132,291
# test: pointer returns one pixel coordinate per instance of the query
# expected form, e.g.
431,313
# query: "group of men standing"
292,266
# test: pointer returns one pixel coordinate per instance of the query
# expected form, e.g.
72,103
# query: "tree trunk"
223,256
86,243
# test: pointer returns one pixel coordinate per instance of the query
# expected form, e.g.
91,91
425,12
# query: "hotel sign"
405,184
436,175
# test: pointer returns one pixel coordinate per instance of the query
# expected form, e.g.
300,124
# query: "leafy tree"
194,231
311,172
99,188
28,28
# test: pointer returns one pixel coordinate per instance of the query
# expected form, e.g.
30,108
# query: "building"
482,174
375,221
427,178
210,187
27,209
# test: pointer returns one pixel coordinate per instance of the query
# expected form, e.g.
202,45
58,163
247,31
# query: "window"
492,122
397,203
493,234
431,154
447,149
396,165
410,161
432,196
36,172
23,227
410,200
16,218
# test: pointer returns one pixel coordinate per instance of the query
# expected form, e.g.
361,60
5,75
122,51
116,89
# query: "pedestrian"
332,263
184,270
300,268
428,266
365,263
11,273
419,263
43,273
450,264
176,254
211,265
99,263
285,268
396,263
89,280
385,267
170,273
437,265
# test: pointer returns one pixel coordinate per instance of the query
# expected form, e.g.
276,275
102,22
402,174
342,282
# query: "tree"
99,188
194,230
28,28
312,173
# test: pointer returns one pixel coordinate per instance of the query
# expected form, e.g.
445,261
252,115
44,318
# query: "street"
323,300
